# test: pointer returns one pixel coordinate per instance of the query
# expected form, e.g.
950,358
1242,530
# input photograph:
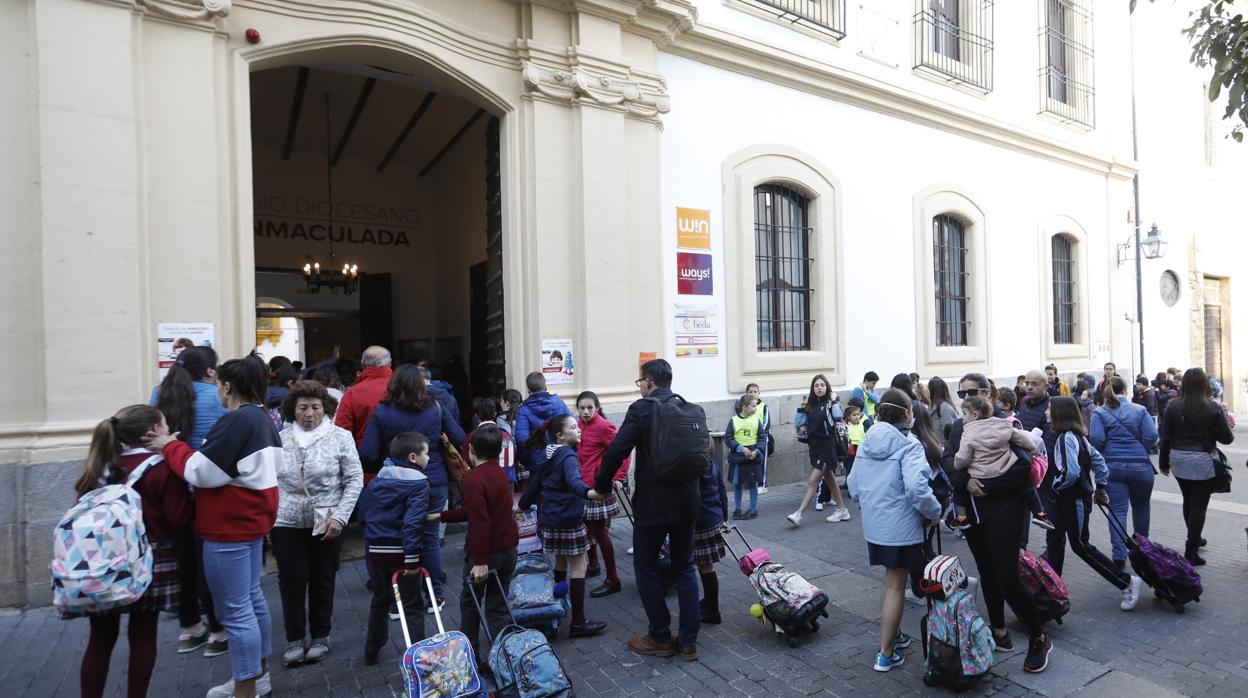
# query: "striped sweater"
234,475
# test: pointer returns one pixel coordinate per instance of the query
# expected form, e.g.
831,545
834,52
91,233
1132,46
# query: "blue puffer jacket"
445,395
1123,434
890,483
558,484
536,408
393,508
388,421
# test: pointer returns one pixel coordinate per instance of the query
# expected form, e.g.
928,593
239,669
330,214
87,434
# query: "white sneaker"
762,490
839,515
630,550
818,506
264,686
441,603
845,515
1131,595
795,518
911,596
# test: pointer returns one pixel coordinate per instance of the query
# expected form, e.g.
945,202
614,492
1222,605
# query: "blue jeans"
646,543
233,574
431,553
1129,483
737,492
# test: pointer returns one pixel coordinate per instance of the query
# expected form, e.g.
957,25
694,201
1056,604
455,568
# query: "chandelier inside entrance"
330,276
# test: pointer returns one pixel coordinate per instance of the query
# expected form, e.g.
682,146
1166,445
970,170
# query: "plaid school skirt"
604,510
565,541
708,546
163,594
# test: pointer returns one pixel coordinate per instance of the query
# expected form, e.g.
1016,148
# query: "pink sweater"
985,449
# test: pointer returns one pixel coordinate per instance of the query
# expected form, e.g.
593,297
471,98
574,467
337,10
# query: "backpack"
678,439
957,644
525,666
101,557
1046,589
784,595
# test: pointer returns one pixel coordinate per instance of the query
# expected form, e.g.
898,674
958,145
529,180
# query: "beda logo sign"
693,274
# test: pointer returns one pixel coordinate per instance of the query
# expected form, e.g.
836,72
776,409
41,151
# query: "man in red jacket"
492,534
361,399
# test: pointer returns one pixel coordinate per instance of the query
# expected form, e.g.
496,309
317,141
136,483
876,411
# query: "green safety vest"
745,430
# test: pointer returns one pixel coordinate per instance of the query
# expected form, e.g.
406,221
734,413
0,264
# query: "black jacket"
655,502
1184,434
1031,414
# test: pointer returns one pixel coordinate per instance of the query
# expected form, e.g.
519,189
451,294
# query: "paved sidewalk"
1100,650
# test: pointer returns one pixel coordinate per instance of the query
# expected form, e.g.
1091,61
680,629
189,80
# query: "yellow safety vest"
745,430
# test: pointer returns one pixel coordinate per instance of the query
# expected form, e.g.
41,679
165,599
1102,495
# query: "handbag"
321,513
1221,472
456,465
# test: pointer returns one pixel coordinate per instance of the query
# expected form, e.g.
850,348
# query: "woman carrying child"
116,451
746,441
561,512
1079,469
986,451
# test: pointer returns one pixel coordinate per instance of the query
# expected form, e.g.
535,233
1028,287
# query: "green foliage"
1219,38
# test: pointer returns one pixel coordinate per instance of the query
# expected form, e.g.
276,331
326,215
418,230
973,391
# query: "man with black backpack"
672,443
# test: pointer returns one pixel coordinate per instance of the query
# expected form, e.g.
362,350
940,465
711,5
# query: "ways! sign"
693,274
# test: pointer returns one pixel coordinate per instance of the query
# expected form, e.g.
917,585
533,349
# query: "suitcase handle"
1115,524
480,602
398,603
626,504
729,545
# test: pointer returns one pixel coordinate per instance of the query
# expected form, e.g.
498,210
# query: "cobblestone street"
1099,649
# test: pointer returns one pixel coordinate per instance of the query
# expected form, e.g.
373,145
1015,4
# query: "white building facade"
757,191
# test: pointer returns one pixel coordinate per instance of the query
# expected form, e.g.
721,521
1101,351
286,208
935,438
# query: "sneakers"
394,611
264,686
883,663
736,515
216,646
1042,522
1131,595
1001,640
839,515
294,653
1037,654
749,515
318,650
818,506
903,641
190,643
647,646
441,605
762,489
913,597
795,519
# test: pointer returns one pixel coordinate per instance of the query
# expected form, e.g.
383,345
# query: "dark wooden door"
493,332
376,320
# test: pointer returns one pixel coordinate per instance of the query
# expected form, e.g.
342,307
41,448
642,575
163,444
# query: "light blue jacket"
208,410
1123,434
890,484
1066,460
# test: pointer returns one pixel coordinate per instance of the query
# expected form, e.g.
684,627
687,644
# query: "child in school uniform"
746,440
557,483
708,542
393,508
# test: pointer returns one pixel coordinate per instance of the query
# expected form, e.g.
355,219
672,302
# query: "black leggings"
1196,495
995,547
1070,521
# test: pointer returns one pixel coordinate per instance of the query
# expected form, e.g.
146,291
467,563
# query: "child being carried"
986,452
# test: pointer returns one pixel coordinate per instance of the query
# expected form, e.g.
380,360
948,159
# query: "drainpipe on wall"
1135,189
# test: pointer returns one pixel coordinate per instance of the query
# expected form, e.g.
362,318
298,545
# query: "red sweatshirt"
234,474
167,503
487,509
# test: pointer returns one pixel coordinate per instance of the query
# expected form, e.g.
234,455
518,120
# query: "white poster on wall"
173,337
557,364
696,330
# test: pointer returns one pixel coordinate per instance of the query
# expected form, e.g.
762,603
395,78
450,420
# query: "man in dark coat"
663,510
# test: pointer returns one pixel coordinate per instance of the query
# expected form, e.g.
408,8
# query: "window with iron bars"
821,16
1063,253
1066,84
782,268
953,39
949,254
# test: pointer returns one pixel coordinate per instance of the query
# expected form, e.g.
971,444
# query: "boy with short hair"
492,535
865,394
754,390
393,508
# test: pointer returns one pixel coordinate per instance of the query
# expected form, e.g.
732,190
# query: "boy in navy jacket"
393,508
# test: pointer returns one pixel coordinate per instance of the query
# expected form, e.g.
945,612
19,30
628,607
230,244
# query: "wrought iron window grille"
953,40
1066,62
822,16
1064,323
782,266
949,263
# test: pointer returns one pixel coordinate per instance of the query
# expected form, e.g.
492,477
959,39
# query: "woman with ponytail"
235,476
557,483
188,399
1124,433
116,450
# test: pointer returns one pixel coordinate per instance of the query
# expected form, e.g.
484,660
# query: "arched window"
1064,310
782,264
949,252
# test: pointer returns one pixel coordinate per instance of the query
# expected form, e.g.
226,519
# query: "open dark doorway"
399,181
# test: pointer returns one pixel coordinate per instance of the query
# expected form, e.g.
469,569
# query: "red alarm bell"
253,36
